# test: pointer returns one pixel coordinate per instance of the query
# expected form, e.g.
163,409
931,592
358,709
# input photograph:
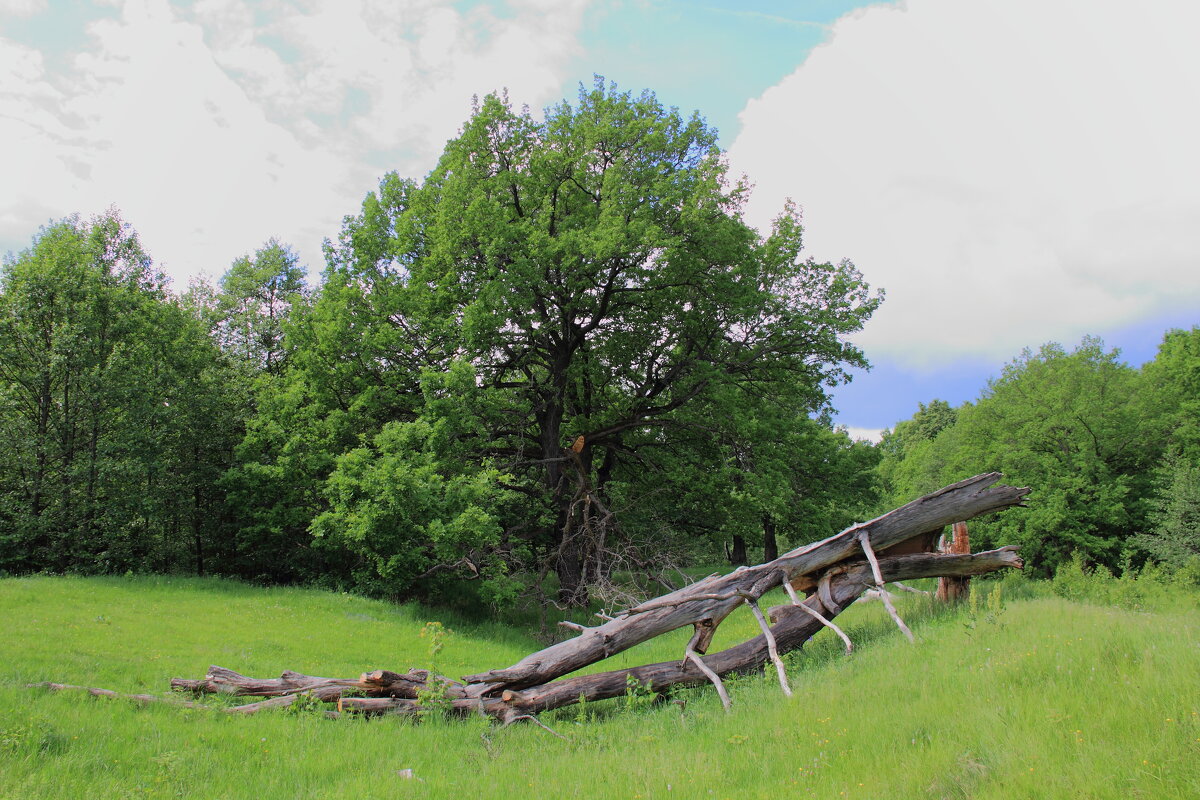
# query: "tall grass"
1038,697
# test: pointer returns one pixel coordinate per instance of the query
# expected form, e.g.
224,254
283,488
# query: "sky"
1009,172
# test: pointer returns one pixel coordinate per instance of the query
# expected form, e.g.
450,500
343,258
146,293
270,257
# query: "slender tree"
101,382
255,297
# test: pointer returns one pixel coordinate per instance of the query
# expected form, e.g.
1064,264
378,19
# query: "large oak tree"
593,271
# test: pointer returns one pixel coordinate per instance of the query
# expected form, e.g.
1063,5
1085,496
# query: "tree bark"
737,554
770,543
197,538
707,602
390,692
792,628
952,589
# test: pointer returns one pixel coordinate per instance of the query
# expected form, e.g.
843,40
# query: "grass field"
1043,698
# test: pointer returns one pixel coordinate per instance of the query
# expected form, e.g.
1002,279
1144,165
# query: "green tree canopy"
1174,534
1083,429
111,409
1173,390
256,295
593,273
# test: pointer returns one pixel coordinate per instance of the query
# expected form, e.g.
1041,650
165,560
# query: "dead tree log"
706,603
381,683
792,628
833,572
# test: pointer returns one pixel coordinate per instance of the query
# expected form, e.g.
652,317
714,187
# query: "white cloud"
872,435
1011,171
218,126
21,8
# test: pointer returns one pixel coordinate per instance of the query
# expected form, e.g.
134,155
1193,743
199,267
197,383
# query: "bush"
1153,586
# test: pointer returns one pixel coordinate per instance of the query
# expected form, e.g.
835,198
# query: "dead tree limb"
772,649
791,630
812,612
715,598
793,626
865,541
691,656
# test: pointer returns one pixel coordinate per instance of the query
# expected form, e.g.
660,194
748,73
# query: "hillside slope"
1043,698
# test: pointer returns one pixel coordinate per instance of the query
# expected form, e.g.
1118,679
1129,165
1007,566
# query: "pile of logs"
833,573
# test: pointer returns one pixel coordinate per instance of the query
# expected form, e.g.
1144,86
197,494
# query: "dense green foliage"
582,281
1174,533
560,361
562,365
1044,697
112,402
1109,450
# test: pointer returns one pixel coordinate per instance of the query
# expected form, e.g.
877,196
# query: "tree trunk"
572,591
792,628
568,556
952,589
709,601
770,543
197,525
737,554
41,435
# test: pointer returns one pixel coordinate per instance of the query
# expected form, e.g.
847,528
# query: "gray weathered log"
324,693
219,680
380,683
792,628
709,601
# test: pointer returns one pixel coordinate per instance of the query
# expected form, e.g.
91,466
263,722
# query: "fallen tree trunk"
829,571
706,603
792,628
324,694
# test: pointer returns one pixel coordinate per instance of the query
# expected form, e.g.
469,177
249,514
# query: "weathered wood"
377,705
94,692
812,612
790,631
380,683
689,656
219,680
716,597
325,694
792,628
953,589
772,650
879,585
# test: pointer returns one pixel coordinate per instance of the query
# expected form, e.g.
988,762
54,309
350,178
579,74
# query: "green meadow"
1085,688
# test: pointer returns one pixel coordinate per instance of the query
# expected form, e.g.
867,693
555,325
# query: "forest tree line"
561,357
1112,452
559,360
